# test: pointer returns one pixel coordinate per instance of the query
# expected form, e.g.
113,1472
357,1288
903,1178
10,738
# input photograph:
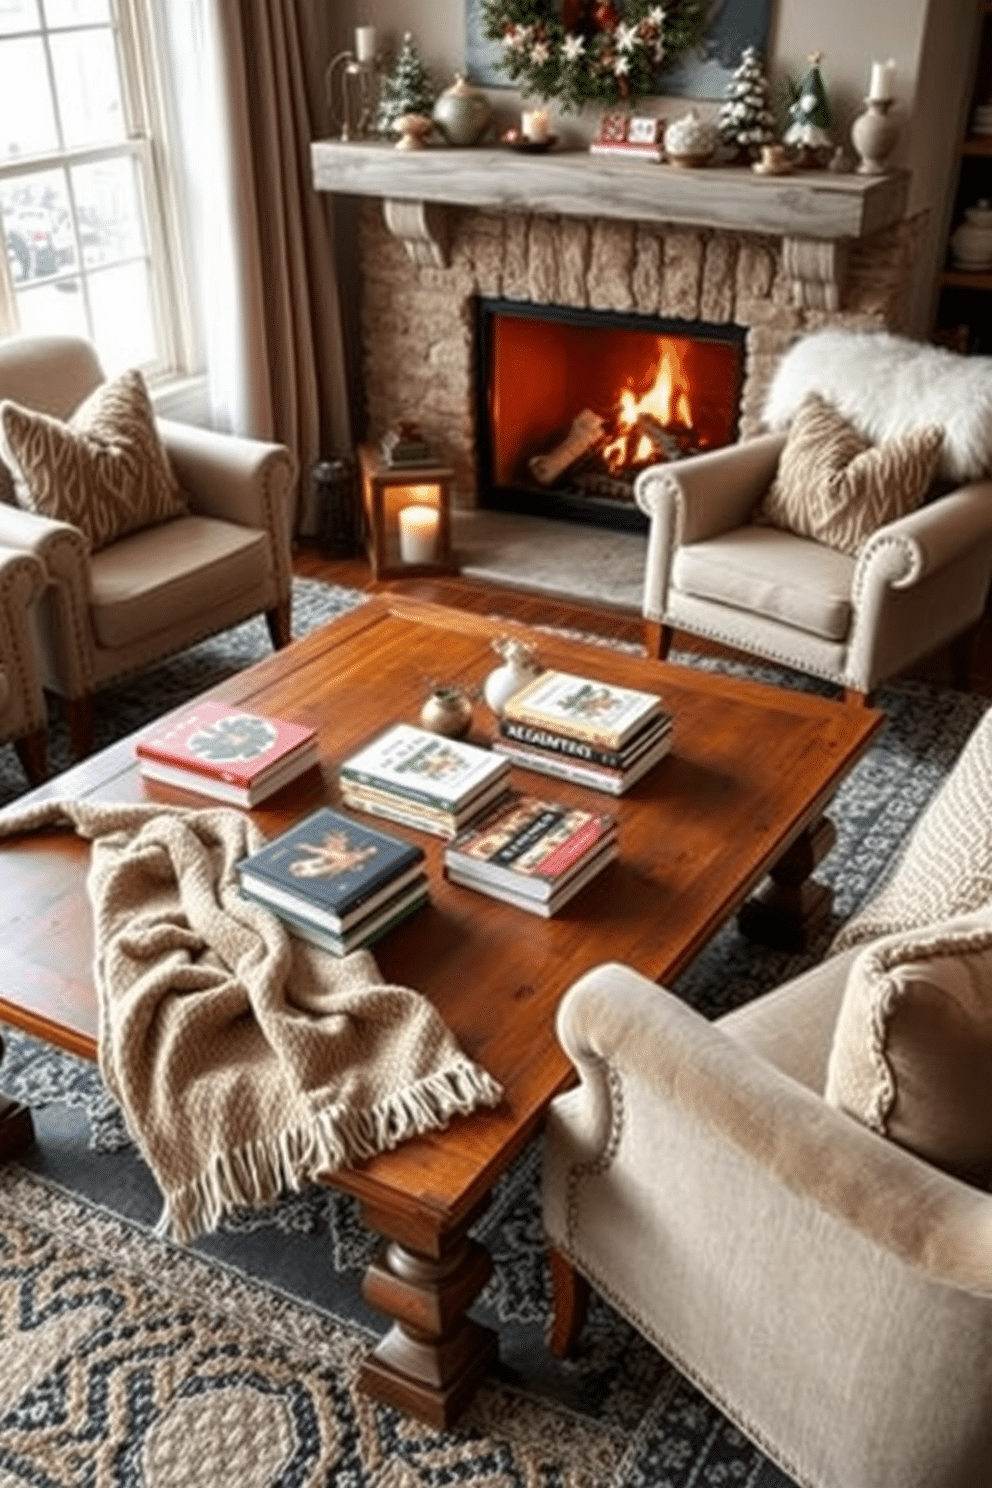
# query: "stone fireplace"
441,233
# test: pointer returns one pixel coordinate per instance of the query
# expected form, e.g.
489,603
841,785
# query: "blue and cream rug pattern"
128,1360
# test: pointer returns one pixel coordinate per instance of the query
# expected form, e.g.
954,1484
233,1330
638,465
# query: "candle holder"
407,516
874,135
350,84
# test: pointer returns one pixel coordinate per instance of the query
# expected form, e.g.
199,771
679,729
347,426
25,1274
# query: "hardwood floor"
968,663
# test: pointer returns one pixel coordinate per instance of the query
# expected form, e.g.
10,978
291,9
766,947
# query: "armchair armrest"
693,499
614,1021
22,580
929,538
63,621
60,547
247,481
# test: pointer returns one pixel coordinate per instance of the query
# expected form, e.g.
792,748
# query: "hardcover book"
331,869
602,713
423,767
530,846
549,741
226,752
370,928
580,772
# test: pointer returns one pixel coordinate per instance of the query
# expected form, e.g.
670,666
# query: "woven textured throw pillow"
105,471
945,869
912,1050
833,485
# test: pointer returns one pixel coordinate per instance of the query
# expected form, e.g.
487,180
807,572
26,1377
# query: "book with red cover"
227,753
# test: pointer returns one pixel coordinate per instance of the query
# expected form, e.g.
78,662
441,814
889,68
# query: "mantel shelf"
807,204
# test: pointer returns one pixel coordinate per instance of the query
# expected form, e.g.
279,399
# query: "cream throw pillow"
945,869
835,486
105,471
912,1050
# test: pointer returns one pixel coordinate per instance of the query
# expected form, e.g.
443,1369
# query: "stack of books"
336,882
593,733
226,753
533,853
423,780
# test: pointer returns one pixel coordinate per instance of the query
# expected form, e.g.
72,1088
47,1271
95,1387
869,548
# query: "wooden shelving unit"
964,302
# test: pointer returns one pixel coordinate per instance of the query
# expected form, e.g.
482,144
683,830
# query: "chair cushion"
888,386
105,471
834,486
155,580
772,573
945,869
912,1050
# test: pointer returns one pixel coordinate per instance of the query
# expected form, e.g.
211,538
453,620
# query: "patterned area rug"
131,1361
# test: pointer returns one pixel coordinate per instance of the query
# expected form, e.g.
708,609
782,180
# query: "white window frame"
142,50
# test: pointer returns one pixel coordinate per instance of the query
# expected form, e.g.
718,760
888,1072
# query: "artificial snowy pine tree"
809,114
407,90
746,118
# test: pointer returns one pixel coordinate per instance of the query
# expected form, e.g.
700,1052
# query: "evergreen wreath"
607,57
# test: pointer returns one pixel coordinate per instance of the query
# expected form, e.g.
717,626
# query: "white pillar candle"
535,126
883,75
419,526
365,43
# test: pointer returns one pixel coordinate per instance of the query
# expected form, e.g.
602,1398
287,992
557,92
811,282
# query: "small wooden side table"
398,547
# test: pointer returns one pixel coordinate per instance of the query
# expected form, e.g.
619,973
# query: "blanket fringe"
255,1175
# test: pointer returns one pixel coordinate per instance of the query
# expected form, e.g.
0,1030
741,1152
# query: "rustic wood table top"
751,769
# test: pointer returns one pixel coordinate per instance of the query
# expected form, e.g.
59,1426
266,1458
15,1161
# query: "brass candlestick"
353,80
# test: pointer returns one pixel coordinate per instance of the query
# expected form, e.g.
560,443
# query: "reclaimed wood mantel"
816,213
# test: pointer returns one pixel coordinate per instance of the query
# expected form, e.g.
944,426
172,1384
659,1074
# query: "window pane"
55,307
76,12
108,206
88,87
35,214
18,15
123,319
27,121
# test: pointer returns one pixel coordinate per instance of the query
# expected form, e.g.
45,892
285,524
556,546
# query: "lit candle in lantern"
883,75
419,527
365,43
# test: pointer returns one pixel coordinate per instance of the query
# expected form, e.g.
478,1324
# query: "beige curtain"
273,55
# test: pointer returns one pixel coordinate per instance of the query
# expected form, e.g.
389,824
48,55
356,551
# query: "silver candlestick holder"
874,135
350,83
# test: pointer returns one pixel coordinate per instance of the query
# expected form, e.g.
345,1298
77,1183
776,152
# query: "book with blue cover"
332,870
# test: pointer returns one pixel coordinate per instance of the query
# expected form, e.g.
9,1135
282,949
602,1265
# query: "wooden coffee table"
742,793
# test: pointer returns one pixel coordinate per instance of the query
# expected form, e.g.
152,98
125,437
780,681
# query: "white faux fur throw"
246,1061
888,385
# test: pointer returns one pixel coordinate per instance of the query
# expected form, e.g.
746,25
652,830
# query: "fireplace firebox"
573,403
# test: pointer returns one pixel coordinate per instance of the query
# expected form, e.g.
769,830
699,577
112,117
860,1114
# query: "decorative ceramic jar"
413,130
462,113
691,140
971,243
447,711
520,666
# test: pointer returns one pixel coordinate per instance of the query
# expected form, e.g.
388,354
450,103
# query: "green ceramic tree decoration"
407,89
809,117
746,120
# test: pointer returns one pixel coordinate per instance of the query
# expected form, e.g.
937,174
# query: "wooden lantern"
407,516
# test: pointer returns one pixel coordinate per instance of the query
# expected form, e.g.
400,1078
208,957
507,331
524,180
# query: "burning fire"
641,422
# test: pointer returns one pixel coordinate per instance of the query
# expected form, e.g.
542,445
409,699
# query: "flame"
666,403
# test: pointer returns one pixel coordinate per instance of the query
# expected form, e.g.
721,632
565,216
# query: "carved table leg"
790,907
571,1304
16,1127
434,1356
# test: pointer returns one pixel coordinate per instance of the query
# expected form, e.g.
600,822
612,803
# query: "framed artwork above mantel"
732,25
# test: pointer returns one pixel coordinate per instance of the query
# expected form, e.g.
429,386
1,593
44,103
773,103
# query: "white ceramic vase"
971,243
520,666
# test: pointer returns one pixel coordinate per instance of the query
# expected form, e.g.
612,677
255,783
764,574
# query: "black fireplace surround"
552,380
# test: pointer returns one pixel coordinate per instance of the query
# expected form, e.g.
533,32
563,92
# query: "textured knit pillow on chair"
912,1049
105,471
835,486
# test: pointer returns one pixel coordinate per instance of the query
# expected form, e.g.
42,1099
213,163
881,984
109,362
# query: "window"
87,220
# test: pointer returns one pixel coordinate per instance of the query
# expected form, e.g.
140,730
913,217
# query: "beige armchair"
157,590
776,1199
22,702
854,619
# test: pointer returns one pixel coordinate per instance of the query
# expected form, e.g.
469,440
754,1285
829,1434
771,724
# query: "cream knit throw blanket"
246,1061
